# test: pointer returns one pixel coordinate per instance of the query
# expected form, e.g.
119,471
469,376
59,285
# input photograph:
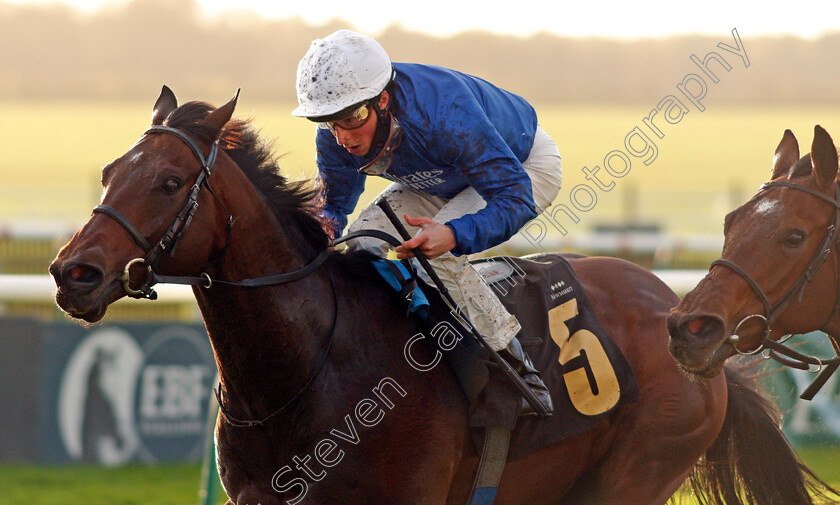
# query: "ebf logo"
125,397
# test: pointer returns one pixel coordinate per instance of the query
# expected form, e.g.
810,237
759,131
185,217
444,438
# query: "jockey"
470,166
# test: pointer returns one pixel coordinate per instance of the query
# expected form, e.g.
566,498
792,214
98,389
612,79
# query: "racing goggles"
383,160
356,119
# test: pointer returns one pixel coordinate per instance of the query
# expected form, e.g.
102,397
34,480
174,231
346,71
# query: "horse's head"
147,209
772,277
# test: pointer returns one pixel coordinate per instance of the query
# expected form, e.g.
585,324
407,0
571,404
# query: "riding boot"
521,364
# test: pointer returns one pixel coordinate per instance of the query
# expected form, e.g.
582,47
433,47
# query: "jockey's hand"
433,240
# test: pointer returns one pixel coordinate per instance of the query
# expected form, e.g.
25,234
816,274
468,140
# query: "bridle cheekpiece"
775,349
169,241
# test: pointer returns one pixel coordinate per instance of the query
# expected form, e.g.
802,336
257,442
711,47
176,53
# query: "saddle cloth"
583,368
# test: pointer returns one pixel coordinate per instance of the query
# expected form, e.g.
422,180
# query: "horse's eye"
794,239
171,186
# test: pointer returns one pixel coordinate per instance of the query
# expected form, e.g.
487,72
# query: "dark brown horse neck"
266,340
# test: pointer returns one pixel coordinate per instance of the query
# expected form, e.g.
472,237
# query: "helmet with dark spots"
338,71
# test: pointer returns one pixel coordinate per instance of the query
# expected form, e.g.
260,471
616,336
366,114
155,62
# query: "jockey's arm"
468,141
342,186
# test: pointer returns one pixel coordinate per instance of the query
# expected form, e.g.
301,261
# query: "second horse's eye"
171,186
795,239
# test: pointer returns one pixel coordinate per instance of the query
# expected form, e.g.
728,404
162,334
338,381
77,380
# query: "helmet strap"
382,125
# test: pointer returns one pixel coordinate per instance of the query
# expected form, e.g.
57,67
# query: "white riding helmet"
340,70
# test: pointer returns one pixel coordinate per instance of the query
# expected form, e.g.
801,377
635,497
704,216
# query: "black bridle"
776,349
169,241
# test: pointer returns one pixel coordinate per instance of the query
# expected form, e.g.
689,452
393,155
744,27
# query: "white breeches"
464,283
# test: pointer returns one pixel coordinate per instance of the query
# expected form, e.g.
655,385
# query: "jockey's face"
358,141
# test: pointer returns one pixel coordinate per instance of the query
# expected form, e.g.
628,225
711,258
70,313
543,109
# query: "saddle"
584,369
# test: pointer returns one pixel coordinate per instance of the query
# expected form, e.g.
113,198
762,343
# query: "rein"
250,423
776,350
173,235
273,280
176,230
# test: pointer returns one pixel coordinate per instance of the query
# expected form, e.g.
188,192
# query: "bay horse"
779,273
318,403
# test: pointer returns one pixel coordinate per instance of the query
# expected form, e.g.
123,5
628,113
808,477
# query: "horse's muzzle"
80,290
695,339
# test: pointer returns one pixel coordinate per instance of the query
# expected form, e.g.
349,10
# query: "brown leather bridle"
172,236
776,349
169,241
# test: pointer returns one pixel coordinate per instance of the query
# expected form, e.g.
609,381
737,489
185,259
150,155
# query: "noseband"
169,241
173,235
776,349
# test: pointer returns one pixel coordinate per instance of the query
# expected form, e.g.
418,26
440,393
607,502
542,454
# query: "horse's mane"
298,201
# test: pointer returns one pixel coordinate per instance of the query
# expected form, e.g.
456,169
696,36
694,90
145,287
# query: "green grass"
707,163
168,484
825,461
179,484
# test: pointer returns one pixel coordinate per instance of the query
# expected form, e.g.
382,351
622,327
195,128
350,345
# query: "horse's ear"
219,117
165,104
823,157
786,155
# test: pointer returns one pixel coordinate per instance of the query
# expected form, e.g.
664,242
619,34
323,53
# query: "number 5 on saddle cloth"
584,369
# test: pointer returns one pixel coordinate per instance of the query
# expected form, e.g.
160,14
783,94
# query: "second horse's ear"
219,117
165,104
787,154
824,157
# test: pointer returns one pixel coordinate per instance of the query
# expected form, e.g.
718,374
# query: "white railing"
634,241
41,288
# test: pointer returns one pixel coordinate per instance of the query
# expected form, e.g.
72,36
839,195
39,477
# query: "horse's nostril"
703,327
77,273
696,326
81,277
